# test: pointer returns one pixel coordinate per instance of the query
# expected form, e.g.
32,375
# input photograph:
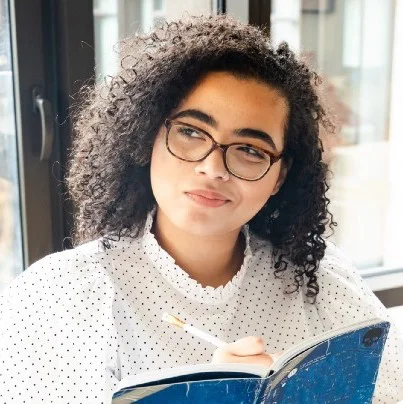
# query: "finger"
246,346
224,357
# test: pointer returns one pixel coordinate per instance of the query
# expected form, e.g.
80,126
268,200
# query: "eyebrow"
209,120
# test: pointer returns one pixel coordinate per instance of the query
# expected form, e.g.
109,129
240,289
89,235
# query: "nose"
213,166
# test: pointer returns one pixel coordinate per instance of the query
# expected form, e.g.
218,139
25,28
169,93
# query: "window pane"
352,44
114,20
11,261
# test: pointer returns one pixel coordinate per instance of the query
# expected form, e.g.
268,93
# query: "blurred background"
50,48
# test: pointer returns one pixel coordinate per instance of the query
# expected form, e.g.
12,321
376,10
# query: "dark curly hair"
109,172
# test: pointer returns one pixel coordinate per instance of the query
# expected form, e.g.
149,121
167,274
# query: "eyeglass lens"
242,160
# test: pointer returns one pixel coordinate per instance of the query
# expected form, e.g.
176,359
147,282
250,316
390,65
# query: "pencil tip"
169,318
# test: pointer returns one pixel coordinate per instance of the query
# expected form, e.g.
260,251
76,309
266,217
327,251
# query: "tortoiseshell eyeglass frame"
224,147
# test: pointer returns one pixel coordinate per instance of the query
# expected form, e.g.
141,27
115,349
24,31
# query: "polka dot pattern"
76,322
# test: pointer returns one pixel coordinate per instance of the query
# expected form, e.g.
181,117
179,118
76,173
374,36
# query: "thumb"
246,346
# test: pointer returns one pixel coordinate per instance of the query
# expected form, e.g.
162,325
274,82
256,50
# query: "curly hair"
109,172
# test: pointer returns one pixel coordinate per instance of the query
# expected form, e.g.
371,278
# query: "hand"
244,350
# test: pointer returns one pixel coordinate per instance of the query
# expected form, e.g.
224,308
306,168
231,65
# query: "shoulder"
69,270
336,266
334,269
59,274
337,271
63,263
55,287
344,296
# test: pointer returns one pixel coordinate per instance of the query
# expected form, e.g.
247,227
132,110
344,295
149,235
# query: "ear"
285,168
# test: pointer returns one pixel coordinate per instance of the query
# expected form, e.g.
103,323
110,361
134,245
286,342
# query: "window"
354,46
11,262
115,20
37,83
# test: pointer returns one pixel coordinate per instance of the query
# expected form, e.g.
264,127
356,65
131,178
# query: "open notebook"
340,365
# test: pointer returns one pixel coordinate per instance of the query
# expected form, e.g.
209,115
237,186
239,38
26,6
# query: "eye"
187,131
251,152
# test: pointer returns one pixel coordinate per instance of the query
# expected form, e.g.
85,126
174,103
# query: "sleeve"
57,340
345,298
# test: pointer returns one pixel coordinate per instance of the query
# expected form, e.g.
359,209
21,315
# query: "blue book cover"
337,366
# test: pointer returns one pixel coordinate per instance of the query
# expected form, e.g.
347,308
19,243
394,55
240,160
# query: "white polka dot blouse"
76,322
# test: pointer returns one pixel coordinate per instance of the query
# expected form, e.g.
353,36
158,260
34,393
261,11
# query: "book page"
184,373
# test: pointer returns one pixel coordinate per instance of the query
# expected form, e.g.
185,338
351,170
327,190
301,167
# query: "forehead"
240,103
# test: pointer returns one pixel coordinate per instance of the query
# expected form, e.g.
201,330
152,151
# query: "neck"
210,260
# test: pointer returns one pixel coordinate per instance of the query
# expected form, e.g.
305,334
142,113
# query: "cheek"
255,194
165,170
158,154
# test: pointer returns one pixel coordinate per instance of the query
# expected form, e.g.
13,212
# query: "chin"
204,223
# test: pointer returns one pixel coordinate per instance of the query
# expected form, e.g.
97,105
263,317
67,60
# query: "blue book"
340,365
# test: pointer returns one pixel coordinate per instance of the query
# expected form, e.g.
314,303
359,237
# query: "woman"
200,189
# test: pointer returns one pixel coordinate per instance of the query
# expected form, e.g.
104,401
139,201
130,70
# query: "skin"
181,223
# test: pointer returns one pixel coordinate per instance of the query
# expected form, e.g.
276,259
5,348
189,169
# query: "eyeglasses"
189,143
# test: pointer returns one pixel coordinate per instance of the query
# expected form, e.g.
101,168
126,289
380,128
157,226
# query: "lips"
208,194
207,198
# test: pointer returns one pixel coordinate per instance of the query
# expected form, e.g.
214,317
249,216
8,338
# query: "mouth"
207,198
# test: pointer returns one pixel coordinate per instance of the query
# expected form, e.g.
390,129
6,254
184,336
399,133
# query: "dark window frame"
47,39
259,13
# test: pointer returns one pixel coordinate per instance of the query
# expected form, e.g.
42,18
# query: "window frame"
47,53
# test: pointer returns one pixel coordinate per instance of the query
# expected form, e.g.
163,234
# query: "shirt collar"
180,280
